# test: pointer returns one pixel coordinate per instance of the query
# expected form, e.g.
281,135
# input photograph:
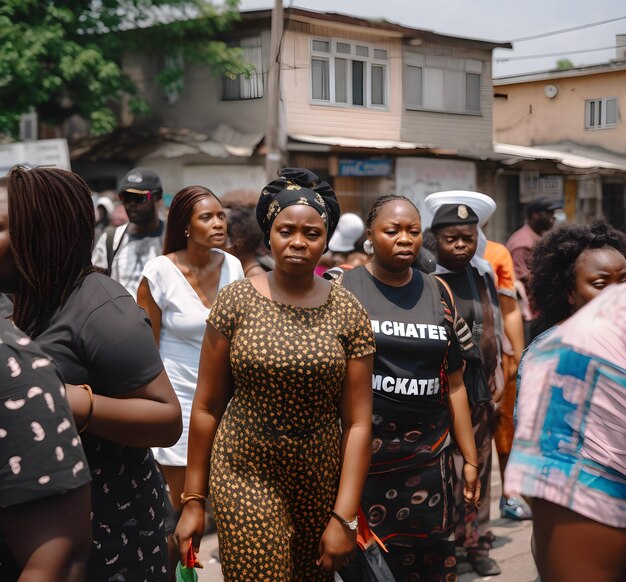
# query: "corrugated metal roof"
599,69
134,143
349,142
572,158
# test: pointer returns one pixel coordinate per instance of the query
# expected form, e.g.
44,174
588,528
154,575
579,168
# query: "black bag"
369,564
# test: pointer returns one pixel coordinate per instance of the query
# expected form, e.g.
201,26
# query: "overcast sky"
498,20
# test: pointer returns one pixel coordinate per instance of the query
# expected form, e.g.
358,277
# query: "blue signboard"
366,168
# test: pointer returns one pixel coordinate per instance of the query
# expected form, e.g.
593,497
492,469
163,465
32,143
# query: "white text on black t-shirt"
416,330
406,386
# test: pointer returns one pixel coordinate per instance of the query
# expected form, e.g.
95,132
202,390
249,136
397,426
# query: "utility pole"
274,157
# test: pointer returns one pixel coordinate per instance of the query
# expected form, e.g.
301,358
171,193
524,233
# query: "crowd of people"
292,368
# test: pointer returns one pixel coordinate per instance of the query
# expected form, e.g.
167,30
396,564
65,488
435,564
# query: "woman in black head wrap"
297,186
291,355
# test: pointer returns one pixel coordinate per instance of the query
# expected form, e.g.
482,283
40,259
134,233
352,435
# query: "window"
601,113
242,86
171,78
351,74
445,84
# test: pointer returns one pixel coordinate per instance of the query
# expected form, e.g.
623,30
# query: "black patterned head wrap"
297,186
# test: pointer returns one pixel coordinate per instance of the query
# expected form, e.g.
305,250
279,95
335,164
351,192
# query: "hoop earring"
368,247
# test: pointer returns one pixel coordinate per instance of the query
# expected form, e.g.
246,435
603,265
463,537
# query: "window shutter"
413,86
472,92
611,111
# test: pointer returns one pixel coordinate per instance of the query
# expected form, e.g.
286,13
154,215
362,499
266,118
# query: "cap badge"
462,212
135,178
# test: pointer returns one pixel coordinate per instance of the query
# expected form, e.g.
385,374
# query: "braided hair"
378,204
51,225
179,216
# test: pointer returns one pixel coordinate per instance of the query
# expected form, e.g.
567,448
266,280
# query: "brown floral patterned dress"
275,459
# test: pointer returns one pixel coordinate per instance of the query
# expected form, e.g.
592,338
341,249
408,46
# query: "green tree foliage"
63,57
564,64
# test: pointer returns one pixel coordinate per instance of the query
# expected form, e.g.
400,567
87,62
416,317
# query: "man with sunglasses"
126,249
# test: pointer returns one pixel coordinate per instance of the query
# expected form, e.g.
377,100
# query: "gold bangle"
184,497
90,413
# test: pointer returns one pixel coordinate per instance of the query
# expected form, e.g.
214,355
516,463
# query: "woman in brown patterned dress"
282,412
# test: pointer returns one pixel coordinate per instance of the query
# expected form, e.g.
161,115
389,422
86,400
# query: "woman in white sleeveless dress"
177,291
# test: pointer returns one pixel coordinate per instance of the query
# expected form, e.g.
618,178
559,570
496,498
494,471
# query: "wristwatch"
352,525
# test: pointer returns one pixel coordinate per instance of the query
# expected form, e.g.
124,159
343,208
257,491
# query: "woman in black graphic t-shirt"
419,396
102,344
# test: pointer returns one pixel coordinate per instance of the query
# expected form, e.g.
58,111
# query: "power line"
546,55
564,30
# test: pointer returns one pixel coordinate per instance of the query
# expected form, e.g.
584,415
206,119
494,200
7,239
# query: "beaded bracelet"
471,464
184,497
90,413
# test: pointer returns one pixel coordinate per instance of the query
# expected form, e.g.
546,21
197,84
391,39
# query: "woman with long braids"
177,291
101,342
419,399
282,412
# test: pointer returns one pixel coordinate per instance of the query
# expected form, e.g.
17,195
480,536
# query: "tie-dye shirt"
570,443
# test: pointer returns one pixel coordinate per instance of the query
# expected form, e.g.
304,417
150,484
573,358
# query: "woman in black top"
419,397
102,344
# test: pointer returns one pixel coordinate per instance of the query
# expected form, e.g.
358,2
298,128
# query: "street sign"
43,152
366,168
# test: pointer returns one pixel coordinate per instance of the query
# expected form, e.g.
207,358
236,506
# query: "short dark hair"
553,261
180,215
244,230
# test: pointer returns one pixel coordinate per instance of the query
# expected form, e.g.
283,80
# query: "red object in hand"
191,560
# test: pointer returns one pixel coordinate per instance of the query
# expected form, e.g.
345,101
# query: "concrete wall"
199,106
527,117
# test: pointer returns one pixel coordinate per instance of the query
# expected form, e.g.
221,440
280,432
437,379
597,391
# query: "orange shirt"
502,263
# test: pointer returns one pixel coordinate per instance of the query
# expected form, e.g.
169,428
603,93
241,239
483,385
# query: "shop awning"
349,142
568,154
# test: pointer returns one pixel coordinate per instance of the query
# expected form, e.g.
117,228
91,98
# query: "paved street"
511,548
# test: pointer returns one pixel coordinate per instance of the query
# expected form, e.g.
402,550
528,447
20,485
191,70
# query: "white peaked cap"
349,229
484,206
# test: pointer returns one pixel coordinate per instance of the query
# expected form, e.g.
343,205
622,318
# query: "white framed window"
601,113
349,73
445,84
241,86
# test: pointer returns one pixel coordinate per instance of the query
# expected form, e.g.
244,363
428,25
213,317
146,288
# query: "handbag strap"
365,536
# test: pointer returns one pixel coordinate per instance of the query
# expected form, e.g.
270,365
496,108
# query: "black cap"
140,181
547,204
453,214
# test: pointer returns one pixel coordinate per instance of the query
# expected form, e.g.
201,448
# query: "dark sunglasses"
128,197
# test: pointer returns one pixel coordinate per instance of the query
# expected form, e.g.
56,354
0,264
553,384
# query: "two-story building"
379,107
570,126
374,107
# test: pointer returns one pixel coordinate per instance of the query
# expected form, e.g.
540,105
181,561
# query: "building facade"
570,126
372,106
